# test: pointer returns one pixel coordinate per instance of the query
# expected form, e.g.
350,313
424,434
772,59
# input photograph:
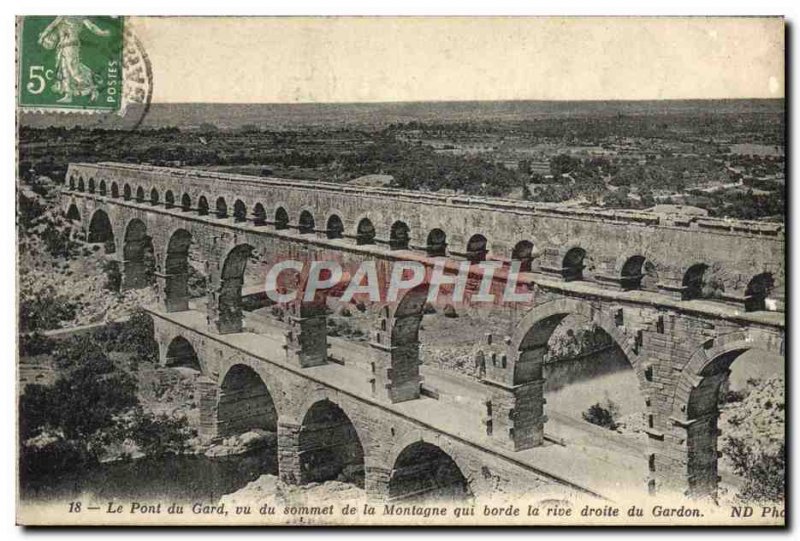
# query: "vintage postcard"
401,271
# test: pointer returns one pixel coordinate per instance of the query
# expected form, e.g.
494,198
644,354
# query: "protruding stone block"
307,337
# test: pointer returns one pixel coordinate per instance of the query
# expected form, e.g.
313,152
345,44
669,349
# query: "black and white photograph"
401,271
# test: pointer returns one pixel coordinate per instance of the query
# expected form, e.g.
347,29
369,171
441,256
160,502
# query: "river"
181,478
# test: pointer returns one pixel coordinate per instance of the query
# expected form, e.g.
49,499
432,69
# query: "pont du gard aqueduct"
681,296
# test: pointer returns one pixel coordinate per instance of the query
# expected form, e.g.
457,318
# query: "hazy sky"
288,60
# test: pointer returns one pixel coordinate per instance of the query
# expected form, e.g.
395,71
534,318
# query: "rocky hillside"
759,418
64,281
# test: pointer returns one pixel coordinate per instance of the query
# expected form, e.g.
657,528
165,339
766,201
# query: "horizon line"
517,100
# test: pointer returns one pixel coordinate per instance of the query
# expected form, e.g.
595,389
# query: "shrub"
333,329
44,311
29,209
732,396
602,415
76,350
159,435
136,336
35,344
52,458
81,402
764,472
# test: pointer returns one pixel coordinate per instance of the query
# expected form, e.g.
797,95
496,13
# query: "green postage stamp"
71,63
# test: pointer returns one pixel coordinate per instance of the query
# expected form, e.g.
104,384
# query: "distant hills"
292,116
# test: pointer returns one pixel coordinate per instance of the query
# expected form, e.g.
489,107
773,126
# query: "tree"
562,164
764,472
45,310
83,401
617,199
134,336
92,404
158,436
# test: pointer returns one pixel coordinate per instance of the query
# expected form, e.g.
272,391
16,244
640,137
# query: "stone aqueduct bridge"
644,278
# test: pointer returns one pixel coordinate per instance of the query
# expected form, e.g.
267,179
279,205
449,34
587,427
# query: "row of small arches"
637,272
399,235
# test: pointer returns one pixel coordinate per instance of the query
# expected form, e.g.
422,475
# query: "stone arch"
181,353
114,190
758,290
572,264
637,272
397,337
72,182
126,192
477,248
239,211
298,409
329,445
140,195
91,185
694,282
399,236
717,349
523,252
531,334
81,185
523,368
695,407
245,402
229,303
222,208
423,471
281,218
73,214
176,271
436,243
102,188
138,256
101,230
169,199
306,224
186,202
154,197
365,232
259,214
202,206
334,228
